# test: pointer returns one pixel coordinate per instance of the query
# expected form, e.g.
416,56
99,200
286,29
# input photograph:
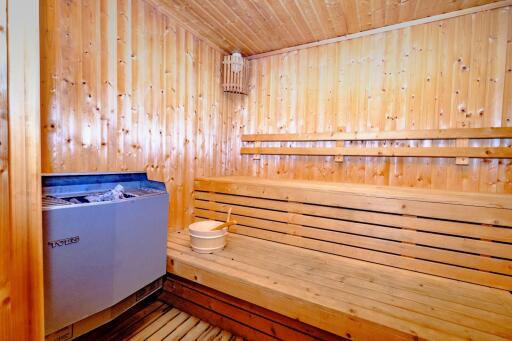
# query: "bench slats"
475,246
279,298
397,283
410,205
439,269
322,290
422,224
393,247
460,315
444,238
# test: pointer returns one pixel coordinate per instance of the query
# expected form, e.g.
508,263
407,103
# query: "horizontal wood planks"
451,74
247,319
125,88
432,134
440,233
354,299
437,152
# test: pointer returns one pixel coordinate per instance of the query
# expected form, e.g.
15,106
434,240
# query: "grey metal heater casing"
97,254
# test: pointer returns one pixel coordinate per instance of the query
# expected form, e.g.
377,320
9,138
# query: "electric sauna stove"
104,247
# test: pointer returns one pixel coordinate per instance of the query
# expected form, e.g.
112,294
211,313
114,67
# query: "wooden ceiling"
257,26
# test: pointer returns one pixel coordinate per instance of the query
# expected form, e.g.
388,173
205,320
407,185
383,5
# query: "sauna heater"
104,239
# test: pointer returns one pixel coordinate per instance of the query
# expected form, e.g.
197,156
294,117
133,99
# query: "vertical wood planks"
5,226
124,88
21,268
453,73
504,171
156,101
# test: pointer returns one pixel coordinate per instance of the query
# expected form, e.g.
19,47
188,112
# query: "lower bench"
349,295
235,315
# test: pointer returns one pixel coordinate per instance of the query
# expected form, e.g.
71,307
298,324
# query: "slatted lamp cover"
236,73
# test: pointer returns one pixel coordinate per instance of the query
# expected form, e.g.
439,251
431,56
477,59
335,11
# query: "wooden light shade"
236,74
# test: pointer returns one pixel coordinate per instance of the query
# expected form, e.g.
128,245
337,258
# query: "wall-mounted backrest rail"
460,150
430,134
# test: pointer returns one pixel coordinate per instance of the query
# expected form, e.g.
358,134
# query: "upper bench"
362,262
463,236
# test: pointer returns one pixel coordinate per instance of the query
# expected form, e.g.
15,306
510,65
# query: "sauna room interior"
255,170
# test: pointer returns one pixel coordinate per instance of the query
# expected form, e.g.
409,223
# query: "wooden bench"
360,261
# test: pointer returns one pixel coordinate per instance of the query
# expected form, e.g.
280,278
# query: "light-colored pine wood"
268,279
284,211
169,327
153,319
235,82
5,224
371,276
129,331
339,158
281,262
430,19
486,208
125,88
223,336
182,329
209,334
21,268
196,331
296,221
429,134
441,152
462,160
156,325
401,221
448,76
252,26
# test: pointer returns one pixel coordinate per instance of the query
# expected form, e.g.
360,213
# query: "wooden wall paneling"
124,78
124,88
190,115
90,81
5,225
180,120
170,71
49,84
464,33
272,90
21,270
501,38
108,80
504,176
438,75
161,107
139,62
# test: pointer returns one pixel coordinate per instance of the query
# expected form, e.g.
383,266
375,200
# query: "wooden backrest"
464,236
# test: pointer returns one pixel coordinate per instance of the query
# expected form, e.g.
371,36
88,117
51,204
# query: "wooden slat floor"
155,320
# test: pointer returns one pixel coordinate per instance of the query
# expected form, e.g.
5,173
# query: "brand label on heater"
64,242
